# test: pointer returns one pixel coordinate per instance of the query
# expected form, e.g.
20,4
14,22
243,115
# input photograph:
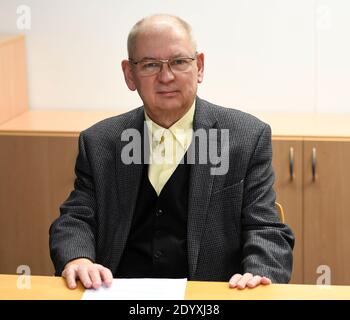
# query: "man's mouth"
168,93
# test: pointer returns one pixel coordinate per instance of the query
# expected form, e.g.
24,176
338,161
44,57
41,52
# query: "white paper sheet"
139,289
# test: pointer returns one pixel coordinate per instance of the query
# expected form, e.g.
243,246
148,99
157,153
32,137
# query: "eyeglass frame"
162,61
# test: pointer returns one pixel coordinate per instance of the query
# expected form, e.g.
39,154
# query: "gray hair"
136,29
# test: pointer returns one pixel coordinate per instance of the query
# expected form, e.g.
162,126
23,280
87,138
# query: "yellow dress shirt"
167,147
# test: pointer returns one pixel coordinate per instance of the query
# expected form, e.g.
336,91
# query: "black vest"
157,243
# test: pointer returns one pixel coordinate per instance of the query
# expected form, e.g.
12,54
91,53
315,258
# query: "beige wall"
261,56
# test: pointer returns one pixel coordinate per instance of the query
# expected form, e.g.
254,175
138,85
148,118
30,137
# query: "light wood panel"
36,175
289,194
298,125
327,210
54,122
8,38
220,291
41,288
13,77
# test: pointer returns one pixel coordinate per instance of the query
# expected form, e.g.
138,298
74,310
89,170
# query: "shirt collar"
179,129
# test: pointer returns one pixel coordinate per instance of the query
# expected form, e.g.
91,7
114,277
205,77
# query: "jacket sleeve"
267,243
72,234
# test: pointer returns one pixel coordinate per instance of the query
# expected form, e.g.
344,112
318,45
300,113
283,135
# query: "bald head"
158,23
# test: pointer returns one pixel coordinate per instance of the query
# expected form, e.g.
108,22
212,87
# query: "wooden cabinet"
36,175
38,151
327,210
13,77
316,203
287,163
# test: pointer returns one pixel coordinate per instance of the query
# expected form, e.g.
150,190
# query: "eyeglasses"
150,67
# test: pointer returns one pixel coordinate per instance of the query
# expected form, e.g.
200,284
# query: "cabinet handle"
291,163
314,164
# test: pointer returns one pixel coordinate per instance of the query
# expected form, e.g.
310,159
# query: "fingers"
234,280
70,275
256,280
94,277
241,284
240,281
253,282
106,275
265,280
81,272
91,275
247,280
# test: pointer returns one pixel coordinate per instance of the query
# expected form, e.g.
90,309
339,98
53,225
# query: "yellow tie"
163,160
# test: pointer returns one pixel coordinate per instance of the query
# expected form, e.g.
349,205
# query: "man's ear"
200,66
128,75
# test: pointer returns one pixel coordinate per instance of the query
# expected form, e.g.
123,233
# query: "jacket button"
159,212
158,254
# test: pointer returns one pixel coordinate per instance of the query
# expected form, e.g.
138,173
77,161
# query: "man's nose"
165,74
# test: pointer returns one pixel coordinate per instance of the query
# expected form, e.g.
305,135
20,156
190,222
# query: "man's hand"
247,280
92,275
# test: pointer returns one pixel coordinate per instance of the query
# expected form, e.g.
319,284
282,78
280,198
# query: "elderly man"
176,218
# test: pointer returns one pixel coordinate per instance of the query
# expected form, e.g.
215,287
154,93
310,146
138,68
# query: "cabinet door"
13,73
36,175
289,194
327,211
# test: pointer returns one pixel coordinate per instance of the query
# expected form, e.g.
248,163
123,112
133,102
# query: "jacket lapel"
200,187
128,179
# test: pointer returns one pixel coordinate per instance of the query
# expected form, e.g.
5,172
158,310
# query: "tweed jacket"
233,226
